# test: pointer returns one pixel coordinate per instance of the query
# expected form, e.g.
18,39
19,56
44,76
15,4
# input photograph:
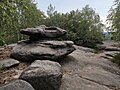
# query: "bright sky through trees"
101,6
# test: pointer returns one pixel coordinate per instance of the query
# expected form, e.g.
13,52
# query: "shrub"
116,59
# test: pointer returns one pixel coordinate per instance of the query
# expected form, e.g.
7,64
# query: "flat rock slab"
103,77
51,50
43,75
111,54
75,82
43,32
17,85
12,45
112,49
7,63
84,70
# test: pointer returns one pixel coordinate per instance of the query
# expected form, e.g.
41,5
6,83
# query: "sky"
100,6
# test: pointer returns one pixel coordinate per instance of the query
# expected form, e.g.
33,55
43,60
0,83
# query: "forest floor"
9,74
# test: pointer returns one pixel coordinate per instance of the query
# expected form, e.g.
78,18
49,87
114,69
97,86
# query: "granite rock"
43,75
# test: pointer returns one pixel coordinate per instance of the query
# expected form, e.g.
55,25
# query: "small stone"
7,63
43,75
17,85
100,47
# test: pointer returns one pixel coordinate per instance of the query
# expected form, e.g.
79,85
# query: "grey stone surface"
88,71
111,45
77,83
12,45
17,85
112,49
52,50
43,32
7,63
101,47
111,54
43,75
85,49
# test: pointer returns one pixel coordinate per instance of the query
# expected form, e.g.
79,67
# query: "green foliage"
84,26
114,19
2,42
116,59
15,15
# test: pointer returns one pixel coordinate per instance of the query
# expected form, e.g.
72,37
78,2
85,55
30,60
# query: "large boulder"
43,75
43,32
28,51
17,85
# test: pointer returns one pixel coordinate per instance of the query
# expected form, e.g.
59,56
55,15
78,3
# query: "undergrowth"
116,59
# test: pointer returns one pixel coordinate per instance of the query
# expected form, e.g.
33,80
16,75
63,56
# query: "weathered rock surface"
112,49
43,32
12,45
110,45
84,70
74,82
43,75
7,63
111,54
52,50
17,85
101,47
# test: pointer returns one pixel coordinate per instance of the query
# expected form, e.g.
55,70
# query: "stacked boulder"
42,45
42,49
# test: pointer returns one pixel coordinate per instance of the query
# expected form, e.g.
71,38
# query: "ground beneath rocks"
83,70
9,74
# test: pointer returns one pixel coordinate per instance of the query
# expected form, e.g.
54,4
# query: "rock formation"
42,49
40,46
81,70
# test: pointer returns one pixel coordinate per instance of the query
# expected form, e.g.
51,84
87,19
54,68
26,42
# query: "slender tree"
114,19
